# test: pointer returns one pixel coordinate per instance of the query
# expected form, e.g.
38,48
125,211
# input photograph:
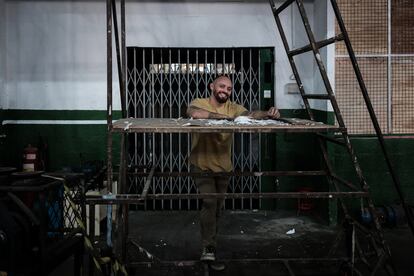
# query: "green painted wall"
67,144
298,151
293,151
374,167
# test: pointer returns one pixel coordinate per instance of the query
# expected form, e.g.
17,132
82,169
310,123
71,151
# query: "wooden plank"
160,125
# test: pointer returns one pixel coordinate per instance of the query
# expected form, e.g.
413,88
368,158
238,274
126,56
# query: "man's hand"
273,113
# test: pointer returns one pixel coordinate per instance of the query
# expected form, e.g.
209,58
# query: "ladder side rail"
125,208
119,62
306,102
308,108
338,115
371,111
123,54
291,61
329,90
319,61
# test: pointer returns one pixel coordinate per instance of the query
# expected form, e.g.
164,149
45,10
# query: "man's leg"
207,213
221,187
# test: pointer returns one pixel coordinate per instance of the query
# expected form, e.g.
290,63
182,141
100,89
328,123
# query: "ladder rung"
317,96
330,139
282,7
346,183
319,44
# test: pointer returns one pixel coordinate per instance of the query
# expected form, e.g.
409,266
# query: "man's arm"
272,113
199,113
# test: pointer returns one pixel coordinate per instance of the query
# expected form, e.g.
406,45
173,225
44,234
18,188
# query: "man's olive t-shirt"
212,151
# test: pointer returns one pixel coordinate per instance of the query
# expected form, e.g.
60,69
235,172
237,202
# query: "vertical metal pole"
250,134
199,93
43,230
180,168
120,63
170,180
109,92
188,134
389,72
123,43
91,236
241,178
224,62
206,73
353,247
123,162
215,64
153,159
232,179
145,114
126,232
135,109
109,225
162,155
259,134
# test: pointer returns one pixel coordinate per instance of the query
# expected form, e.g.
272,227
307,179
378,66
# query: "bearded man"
211,152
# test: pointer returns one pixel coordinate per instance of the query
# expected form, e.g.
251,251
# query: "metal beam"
133,198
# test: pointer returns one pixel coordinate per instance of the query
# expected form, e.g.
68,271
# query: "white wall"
2,55
56,50
296,36
56,55
324,28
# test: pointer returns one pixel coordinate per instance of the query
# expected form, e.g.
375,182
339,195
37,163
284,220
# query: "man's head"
221,89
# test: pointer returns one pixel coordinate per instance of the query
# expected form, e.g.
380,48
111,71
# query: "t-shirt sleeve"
239,110
197,103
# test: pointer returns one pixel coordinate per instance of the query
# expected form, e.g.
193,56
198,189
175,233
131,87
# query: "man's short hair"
224,76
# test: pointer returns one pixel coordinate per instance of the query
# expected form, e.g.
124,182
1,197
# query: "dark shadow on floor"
255,235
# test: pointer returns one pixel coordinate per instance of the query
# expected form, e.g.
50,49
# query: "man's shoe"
217,266
208,254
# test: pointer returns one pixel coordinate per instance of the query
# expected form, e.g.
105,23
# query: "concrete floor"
174,236
251,235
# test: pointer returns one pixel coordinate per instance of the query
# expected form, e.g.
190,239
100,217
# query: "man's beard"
219,99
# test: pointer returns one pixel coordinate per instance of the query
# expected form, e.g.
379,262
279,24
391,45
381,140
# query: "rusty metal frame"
124,199
132,198
314,46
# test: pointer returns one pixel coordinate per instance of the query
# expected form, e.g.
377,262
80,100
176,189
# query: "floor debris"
291,231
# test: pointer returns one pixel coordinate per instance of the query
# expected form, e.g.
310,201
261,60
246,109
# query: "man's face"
221,88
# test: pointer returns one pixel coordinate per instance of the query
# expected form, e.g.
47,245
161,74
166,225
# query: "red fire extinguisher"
30,159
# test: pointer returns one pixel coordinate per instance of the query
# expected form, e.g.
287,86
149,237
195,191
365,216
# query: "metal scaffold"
358,260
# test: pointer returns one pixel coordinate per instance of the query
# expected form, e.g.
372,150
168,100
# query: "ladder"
356,254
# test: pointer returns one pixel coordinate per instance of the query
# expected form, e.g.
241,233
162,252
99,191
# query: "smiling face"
221,89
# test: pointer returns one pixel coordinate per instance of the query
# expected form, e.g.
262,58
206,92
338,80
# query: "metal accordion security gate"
161,82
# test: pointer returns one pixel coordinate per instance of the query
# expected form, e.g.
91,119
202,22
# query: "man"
212,153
